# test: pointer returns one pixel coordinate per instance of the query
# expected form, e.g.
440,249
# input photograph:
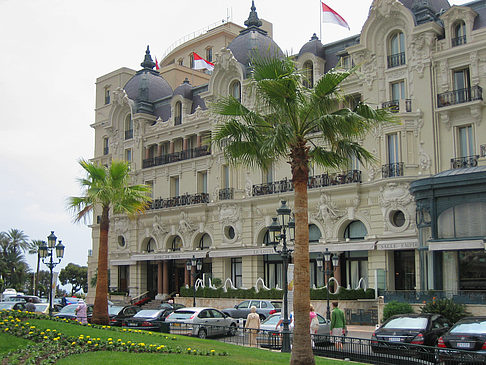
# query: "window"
404,269
314,233
235,90
308,74
268,175
392,148
178,113
465,142
472,275
226,177
180,61
106,148
174,186
107,96
463,221
123,271
150,184
353,163
205,242
176,243
273,271
151,245
462,85
397,50
355,230
398,90
209,54
202,182
191,60
128,127
459,36
346,62
237,272
356,268
128,155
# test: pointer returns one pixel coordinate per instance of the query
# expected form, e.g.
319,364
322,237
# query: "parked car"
401,330
12,306
201,322
149,319
118,314
42,308
69,312
271,337
23,298
468,334
264,308
173,306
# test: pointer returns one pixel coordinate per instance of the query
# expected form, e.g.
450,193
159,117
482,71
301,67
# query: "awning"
403,244
457,245
177,255
342,247
242,252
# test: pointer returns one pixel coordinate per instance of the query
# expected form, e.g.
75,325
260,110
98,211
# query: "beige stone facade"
429,72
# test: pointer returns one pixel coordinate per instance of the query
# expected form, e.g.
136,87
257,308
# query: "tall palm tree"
107,188
33,249
17,239
302,125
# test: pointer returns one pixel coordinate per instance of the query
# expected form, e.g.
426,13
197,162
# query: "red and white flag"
330,16
200,63
156,64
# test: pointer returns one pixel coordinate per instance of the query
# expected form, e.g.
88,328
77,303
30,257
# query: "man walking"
338,324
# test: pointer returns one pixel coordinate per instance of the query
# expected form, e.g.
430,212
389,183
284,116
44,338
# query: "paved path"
360,331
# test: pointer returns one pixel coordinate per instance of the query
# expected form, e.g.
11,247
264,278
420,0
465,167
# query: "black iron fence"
416,296
392,169
397,59
457,41
177,201
460,96
176,156
226,194
394,105
462,162
361,317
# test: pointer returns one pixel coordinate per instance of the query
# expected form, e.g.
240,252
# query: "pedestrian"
253,325
30,307
314,323
82,312
338,325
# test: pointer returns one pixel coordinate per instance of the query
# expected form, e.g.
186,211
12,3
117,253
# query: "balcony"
129,134
397,59
463,162
176,156
459,96
318,181
226,194
458,41
392,170
179,201
397,106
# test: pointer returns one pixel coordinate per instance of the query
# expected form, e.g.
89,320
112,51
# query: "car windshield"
6,305
182,314
413,323
40,307
273,320
148,313
114,309
470,327
69,309
277,305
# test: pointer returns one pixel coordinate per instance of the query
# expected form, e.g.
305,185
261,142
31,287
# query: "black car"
118,314
12,306
402,330
468,334
69,312
149,319
173,306
264,308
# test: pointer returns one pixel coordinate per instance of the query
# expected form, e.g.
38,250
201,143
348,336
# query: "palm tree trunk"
302,350
100,309
36,282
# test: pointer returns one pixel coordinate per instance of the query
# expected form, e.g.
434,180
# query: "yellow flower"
31,332
45,337
212,351
48,330
119,340
188,349
110,343
89,342
6,329
73,343
110,339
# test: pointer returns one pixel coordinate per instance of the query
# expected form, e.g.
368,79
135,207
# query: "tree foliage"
76,276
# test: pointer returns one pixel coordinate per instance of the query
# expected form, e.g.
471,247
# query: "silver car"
201,322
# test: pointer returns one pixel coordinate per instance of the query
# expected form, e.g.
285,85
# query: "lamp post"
46,252
324,260
278,234
197,263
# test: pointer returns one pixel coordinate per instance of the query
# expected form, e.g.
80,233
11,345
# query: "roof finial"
314,37
148,62
253,20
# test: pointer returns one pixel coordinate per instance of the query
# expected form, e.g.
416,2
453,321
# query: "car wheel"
262,317
202,333
232,329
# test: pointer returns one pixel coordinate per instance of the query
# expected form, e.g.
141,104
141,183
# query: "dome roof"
314,46
147,86
184,89
253,41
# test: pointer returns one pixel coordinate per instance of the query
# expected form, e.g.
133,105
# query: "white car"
201,322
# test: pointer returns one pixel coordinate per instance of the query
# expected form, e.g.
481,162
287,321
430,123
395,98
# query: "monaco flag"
330,16
200,63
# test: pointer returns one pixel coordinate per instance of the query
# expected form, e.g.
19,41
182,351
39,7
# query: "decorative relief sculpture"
121,226
158,228
424,159
185,224
394,197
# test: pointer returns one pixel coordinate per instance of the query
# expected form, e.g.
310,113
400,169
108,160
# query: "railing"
178,201
419,297
458,41
129,134
226,194
176,156
394,105
392,169
482,150
140,297
459,96
463,162
397,59
318,181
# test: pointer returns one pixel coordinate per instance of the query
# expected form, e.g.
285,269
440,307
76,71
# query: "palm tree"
107,188
303,126
17,239
33,249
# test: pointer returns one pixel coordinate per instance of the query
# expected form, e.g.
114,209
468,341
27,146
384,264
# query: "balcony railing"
463,162
179,201
392,169
460,96
394,105
458,41
176,156
129,134
318,181
226,194
482,150
397,59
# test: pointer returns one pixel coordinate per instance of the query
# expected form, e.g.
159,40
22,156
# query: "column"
184,144
159,149
165,278
171,147
160,294
147,152
198,140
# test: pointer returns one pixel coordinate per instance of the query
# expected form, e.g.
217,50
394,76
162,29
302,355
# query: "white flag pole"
320,20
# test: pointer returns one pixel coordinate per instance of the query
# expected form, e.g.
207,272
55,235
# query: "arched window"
235,90
463,221
314,233
266,238
396,55
355,230
151,245
176,243
191,60
106,148
308,74
128,127
178,113
205,242
459,36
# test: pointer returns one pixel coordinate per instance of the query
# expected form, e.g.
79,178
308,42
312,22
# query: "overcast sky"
52,51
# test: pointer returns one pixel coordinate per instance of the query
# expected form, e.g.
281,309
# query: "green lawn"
10,343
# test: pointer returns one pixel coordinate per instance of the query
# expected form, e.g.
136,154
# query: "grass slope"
10,343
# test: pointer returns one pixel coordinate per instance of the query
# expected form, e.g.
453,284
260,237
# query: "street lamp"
189,265
323,264
46,252
278,234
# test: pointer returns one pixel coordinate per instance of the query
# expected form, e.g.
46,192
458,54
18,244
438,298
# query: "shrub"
450,310
395,307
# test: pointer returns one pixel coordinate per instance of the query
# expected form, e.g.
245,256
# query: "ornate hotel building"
414,220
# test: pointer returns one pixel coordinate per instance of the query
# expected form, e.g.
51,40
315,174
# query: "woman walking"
253,324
